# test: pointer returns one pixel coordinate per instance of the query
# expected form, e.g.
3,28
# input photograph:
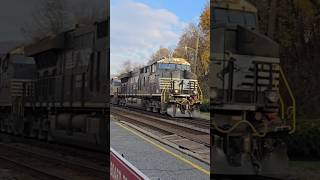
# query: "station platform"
154,159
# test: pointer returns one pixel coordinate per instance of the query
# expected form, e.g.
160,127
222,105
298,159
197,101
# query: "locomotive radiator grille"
21,88
266,78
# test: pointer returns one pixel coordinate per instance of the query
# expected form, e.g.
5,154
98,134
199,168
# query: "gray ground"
152,161
7,172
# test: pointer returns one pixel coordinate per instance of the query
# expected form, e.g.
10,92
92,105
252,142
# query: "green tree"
296,27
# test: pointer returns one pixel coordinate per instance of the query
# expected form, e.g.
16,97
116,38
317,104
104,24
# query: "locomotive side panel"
72,72
5,81
77,67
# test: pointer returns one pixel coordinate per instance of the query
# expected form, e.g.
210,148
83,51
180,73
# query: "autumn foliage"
295,25
193,45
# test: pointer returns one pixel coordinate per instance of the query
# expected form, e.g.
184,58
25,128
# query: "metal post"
197,48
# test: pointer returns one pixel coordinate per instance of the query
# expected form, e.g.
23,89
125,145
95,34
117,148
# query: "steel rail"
14,155
24,167
188,131
198,122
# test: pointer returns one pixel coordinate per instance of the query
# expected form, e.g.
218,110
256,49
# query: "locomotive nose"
189,75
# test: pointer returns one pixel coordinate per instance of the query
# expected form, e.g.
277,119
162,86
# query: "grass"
205,113
313,166
304,143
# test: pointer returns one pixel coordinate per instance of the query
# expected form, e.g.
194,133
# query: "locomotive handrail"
289,110
163,98
200,94
282,105
183,101
256,133
293,107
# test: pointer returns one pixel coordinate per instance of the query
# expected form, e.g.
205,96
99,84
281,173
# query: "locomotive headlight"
272,96
176,91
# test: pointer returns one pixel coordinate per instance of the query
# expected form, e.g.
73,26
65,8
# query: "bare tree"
52,17
160,53
272,18
128,66
187,39
194,45
88,12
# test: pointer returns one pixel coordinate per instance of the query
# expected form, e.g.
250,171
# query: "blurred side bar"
120,168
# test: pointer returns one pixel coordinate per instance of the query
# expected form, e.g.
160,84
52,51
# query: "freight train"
252,106
56,89
166,86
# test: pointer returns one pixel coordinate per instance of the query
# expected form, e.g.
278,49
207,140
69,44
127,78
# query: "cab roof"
240,5
174,61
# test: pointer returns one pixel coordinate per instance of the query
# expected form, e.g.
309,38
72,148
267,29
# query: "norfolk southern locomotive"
166,86
56,89
253,108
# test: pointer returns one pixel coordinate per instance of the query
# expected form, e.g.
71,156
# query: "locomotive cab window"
117,83
153,68
183,67
236,17
220,16
167,66
250,19
225,16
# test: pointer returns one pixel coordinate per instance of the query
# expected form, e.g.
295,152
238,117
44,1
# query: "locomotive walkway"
154,159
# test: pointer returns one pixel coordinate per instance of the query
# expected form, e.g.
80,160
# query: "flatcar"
252,106
165,86
59,90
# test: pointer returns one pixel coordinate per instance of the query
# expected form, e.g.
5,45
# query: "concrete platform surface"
154,159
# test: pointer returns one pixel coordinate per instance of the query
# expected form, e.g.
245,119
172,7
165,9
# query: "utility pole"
197,49
195,59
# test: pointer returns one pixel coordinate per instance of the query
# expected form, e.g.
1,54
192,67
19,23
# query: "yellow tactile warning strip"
198,167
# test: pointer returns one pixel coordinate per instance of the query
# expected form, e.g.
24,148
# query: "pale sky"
14,14
140,27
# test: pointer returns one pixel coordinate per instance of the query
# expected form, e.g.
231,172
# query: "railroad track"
186,130
198,122
185,136
47,166
90,155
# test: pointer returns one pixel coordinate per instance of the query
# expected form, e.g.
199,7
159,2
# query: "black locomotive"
56,89
252,106
166,86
